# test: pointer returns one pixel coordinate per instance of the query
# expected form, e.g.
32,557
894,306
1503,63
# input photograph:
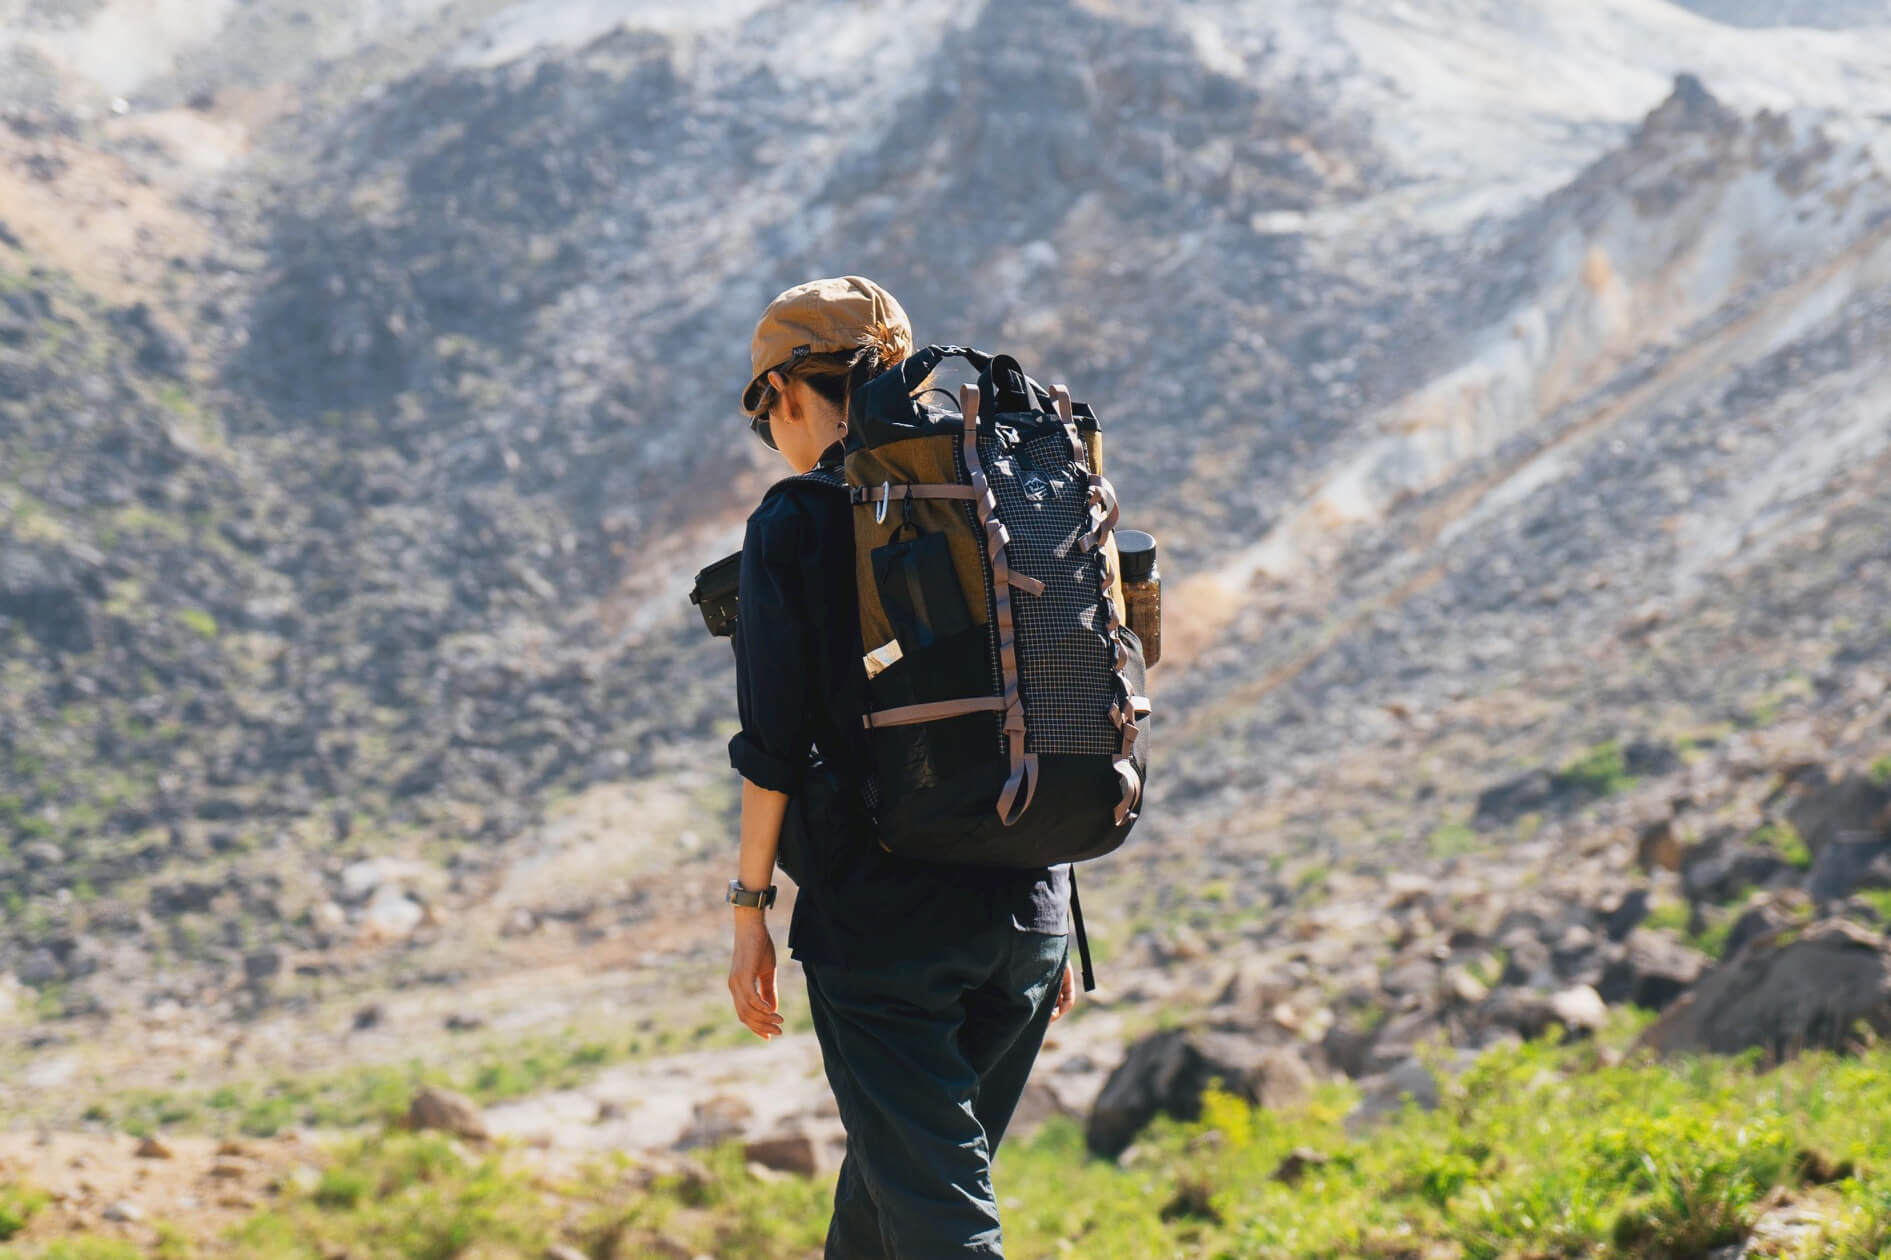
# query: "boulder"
1658,847
1410,1082
450,1112
1347,1046
716,1120
1576,956
49,592
1506,802
1825,809
1167,1072
1719,869
391,914
1652,971
40,968
790,1153
1629,912
1764,915
1786,993
1526,961
1294,1165
1854,861
1579,1009
261,964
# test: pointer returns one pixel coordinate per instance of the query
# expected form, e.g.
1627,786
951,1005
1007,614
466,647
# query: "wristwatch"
754,898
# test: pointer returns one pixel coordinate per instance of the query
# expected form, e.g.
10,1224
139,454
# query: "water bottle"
1142,590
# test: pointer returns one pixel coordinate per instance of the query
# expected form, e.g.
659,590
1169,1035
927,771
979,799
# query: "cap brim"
752,396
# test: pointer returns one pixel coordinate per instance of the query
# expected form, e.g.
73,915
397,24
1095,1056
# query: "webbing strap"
1066,411
1132,788
1024,777
911,714
1026,583
1083,938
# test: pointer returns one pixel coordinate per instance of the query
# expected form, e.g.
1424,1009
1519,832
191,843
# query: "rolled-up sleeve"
773,663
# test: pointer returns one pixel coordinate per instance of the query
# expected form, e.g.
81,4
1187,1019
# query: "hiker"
930,985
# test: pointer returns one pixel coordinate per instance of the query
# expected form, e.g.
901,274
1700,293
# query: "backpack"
1007,721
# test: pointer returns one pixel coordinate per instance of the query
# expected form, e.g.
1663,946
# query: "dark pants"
927,1060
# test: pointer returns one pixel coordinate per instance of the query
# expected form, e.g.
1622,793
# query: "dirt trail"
100,1184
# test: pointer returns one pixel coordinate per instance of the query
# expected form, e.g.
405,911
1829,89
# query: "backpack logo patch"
1037,487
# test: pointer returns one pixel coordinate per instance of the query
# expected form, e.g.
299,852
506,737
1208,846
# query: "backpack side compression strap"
911,714
1024,775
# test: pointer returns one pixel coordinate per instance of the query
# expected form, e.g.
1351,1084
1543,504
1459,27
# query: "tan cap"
838,313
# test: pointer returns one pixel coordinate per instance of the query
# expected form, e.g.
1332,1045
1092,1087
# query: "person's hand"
1066,994
752,975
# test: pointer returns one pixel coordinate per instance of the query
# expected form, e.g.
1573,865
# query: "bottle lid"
1138,551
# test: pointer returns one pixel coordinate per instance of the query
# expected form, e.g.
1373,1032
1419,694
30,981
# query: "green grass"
1538,1151
1784,839
378,1093
1879,899
1602,771
1667,916
1453,840
1881,771
199,620
18,1203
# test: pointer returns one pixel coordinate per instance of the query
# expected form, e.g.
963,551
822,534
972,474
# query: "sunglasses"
758,423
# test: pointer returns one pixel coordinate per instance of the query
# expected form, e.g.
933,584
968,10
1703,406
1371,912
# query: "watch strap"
753,898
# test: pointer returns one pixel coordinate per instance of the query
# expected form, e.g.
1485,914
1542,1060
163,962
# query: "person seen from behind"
930,986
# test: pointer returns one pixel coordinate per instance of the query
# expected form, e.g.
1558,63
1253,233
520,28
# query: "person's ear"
784,405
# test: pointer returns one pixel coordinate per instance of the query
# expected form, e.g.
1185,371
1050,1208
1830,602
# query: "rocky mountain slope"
1506,384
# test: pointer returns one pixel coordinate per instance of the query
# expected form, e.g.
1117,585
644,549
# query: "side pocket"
920,590
816,813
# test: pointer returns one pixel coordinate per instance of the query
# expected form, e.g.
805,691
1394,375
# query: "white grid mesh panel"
1065,660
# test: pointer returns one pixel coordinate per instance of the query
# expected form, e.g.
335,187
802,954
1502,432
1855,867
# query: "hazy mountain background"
1504,381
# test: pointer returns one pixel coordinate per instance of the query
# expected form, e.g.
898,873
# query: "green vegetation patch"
198,620
379,1093
1602,771
18,1203
1784,839
1454,839
1538,1151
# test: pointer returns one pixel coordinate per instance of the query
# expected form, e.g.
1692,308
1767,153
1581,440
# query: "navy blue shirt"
801,688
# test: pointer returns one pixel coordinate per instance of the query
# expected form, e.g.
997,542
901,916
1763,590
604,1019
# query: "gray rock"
1719,869
41,967
1579,1009
1787,994
1167,1072
1768,914
1526,961
790,1153
41,855
1628,913
1848,863
1826,809
1653,971
1658,847
1506,802
450,1112
1410,1082
261,964
716,1120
